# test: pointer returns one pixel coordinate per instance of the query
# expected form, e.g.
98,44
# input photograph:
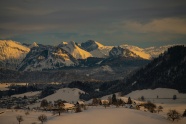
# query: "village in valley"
29,108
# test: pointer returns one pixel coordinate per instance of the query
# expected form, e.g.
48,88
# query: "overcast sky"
112,22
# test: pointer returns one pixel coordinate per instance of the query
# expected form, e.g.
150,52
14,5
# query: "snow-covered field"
9,116
4,86
28,94
164,95
94,115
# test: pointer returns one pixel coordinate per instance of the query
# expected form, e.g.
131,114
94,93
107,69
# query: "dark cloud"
86,19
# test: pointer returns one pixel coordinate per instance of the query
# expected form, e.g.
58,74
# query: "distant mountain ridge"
14,55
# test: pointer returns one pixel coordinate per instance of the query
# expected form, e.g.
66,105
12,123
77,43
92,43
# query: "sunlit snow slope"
74,50
12,53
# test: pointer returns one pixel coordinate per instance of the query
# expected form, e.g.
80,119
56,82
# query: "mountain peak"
91,45
64,42
119,51
72,48
69,43
11,53
34,44
72,43
137,50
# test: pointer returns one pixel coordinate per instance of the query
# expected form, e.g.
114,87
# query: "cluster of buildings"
17,102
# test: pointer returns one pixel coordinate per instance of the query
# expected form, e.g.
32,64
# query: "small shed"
104,102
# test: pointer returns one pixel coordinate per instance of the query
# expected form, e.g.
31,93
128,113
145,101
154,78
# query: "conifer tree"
129,101
114,100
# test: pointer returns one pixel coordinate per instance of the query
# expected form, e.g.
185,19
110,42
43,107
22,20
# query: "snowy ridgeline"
13,53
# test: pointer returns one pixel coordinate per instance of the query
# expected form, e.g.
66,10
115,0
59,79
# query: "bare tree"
184,113
44,103
173,115
78,109
19,118
174,97
160,108
150,106
42,118
105,103
142,98
59,104
95,101
129,101
114,100
27,113
120,102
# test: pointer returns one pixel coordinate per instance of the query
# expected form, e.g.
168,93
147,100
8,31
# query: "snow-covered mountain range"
14,55
46,57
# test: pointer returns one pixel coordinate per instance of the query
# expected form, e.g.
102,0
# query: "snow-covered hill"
67,94
74,50
160,92
159,95
12,53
